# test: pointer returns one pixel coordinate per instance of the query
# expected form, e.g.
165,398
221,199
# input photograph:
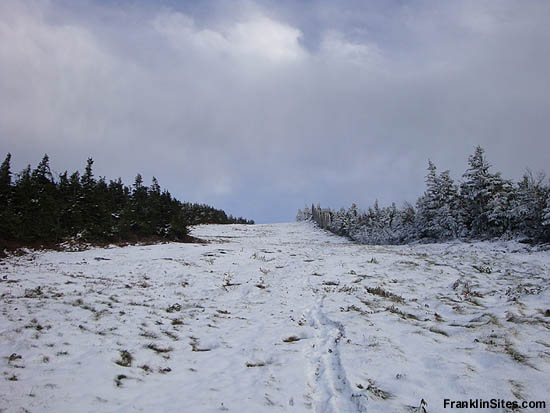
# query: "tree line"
38,207
483,205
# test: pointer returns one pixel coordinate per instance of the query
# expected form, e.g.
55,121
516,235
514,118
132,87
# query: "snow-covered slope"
273,318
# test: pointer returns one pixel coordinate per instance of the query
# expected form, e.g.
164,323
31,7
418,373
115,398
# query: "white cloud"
335,47
47,72
267,38
180,31
258,36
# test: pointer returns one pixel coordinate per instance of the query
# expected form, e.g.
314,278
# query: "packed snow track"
273,318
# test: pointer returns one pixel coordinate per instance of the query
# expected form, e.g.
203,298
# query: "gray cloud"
263,107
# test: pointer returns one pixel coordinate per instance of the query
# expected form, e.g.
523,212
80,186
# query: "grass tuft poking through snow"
125,359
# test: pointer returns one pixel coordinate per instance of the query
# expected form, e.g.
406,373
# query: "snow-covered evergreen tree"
350,220
338,225
527,207
546,213
406,223
437,215
477,190
428,205
447,215
500,217
307,213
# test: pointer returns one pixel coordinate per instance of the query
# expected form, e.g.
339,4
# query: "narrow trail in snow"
327,379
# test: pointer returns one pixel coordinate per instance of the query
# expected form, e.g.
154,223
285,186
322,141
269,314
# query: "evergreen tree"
500,216
477,191
64,198
118,205
165,211
5,182
74,211
305,214
103,221
429,205
23,205
350,219
8,221
406,224
178,229
154,200
140,217
527,207
339,222
88,204
45,205
447,217
546,217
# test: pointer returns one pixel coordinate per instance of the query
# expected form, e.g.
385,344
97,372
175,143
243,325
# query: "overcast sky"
261,107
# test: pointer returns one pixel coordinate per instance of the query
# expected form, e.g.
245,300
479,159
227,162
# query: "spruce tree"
407,229
428,205
477,190
118,201
157,227
447,216
103,225
5,182
546,218
24,206
8,223
64,190
45,202
87,204
74,209
528,205
500,215
141,224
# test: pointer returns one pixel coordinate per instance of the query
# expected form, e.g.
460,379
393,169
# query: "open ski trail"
273,318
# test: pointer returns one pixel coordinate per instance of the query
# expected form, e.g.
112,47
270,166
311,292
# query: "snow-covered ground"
273,318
